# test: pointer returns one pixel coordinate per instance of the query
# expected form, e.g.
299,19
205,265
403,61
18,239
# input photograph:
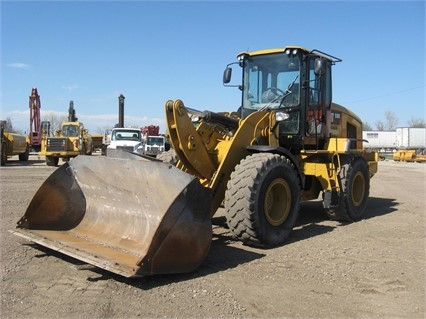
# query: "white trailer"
379,139
410,138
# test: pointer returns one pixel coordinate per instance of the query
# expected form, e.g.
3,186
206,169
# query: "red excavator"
37,127
35,122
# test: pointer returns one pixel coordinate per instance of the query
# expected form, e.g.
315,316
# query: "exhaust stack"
121,110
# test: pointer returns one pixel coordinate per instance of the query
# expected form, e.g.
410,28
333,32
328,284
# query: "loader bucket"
133,217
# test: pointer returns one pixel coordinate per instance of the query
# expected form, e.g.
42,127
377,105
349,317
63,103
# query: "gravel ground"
374,268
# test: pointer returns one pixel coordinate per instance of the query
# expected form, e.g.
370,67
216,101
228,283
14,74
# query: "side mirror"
320,66
227,75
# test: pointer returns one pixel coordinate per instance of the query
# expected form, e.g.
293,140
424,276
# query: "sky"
90,52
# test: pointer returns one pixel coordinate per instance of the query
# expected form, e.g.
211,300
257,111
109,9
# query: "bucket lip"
42,237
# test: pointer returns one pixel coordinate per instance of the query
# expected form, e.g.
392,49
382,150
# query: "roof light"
242,56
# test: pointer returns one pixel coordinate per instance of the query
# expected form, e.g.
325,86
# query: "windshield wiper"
267,106
281,97
288,91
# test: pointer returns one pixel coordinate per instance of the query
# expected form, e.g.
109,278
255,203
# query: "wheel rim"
358,189
277,202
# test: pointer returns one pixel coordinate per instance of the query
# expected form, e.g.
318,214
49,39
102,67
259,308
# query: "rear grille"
56,144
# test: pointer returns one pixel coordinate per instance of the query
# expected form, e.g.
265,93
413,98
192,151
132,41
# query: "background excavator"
286,143
38,128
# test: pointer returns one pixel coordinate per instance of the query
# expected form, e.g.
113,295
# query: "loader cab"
45,129
70,130
295,84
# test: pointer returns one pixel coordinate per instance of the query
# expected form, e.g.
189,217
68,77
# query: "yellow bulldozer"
286,143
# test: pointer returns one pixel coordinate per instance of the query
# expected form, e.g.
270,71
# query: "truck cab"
128,139
154,145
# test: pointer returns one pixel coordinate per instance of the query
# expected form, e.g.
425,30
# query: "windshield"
70,130
271,81
152,140
129,135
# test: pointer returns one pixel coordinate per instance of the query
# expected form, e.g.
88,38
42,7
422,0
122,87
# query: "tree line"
391,122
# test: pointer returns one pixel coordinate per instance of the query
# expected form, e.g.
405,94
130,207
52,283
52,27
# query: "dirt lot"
374,268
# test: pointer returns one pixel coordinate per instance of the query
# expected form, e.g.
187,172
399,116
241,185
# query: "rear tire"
354,191
262,200
25,156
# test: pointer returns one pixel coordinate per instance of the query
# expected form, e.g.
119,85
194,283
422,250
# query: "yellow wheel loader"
286,143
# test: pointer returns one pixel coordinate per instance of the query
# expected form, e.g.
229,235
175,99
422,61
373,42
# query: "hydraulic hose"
213,117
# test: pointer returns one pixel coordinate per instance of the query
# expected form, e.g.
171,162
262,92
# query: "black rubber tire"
3,155
262,200
354,179
25,156
169,157
52,160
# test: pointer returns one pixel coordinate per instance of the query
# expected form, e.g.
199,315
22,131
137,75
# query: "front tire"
52,160
262,200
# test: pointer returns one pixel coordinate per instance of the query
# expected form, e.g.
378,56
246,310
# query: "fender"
281,151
